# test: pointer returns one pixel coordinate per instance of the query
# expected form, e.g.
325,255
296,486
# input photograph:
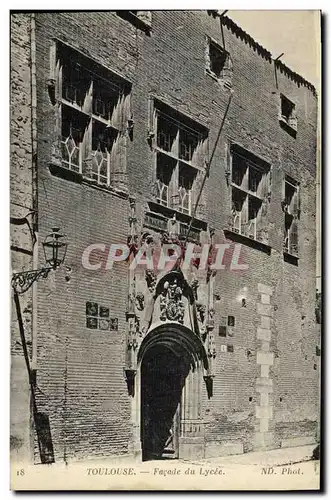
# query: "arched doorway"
171,363
163,374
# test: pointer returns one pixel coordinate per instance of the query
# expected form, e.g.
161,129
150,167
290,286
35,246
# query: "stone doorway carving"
166,407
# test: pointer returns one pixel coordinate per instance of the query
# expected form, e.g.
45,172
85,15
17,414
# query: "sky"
294,32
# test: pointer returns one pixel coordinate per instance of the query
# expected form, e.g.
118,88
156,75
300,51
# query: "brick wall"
80,370
21,186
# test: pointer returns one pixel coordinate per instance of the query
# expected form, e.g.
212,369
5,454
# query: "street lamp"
55,248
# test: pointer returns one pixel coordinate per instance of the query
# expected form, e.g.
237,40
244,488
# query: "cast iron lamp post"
55,248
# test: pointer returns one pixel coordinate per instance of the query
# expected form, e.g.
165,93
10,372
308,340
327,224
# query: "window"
231,320
144,16
250,186
93,113
180,153
218,62
291,209
287,113
141,19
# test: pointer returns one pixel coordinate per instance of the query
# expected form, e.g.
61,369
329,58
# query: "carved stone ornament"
195,286
151,279
140,301
201,310
171,304
133,332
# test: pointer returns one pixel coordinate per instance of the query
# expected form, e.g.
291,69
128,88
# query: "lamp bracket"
21,282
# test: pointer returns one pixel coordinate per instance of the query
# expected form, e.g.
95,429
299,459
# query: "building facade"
147,128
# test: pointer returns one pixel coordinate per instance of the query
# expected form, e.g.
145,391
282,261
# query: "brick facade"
265,389
21,213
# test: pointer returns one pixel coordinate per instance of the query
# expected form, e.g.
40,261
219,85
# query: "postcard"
165,219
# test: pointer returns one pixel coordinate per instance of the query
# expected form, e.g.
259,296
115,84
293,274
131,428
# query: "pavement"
280,456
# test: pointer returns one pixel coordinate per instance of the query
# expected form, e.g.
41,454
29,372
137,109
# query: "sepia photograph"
165,250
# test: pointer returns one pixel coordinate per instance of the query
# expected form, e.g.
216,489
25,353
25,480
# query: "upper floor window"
93,113
250,193
287,114
291,209
218,62
141,19
180,154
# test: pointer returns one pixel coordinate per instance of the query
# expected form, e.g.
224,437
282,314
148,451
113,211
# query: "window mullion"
87,139
88,101
244,213
174,182
174,188
86,148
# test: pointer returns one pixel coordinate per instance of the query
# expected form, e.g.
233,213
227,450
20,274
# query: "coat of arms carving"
171,304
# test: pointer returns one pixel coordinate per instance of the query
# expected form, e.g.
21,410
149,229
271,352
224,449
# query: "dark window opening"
76,83
74,125
255,178
217,57
239,172
291,197
250,180
291,208
141,19
188,144
104,99
185,184
238,213
180,148
254,207
103,139
290,190
93,106
218,63
164,170
231,320
287,107
222,331
287,114
166,133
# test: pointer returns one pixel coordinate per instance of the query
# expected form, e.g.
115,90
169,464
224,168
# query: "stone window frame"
250,182
96,85
291,209
171,170
224,75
